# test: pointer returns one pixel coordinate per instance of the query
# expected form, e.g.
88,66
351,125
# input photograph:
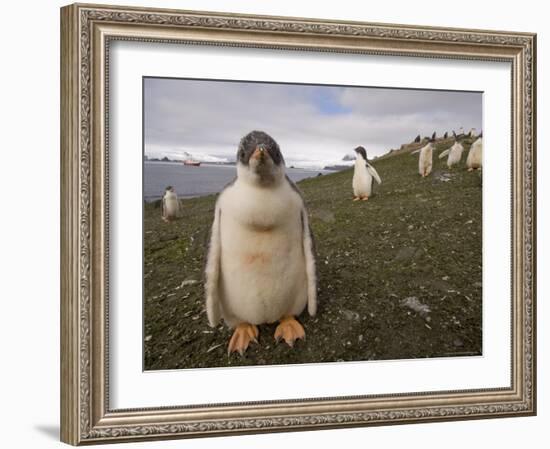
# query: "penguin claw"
241,338
289,330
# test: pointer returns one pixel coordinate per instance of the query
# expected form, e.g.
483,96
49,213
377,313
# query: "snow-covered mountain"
204,157
317,164
176,155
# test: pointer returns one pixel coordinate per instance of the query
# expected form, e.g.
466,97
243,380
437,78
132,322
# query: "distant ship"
192,162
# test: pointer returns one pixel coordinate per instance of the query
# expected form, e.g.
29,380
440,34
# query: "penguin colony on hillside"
260,263
454,153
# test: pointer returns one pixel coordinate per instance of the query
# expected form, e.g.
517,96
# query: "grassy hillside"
399,275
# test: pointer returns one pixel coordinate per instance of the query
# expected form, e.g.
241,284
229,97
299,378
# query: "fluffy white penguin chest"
455,154
263,274
362,179
170,203
425,159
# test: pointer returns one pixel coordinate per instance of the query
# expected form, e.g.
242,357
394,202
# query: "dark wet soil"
399,275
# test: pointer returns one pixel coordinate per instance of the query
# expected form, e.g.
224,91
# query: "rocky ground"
399,275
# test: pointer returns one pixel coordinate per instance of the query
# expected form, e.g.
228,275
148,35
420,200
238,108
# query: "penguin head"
169,189
361,152
432,140
259,159
454,135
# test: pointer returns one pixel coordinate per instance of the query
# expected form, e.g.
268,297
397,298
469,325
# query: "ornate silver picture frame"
87,33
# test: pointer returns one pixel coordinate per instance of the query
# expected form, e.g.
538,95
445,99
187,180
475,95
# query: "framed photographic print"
279,224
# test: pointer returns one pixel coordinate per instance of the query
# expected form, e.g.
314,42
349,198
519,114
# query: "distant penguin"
170,205
475,156
363,174
425,158
455,153
260,265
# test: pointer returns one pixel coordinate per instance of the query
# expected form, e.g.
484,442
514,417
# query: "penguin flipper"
444,153
308,245
415,151
311,272
212,272
162,207
374,173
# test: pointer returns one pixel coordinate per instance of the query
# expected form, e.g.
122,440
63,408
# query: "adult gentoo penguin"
170,207
363,173
260,266
475,156
455,153
425,159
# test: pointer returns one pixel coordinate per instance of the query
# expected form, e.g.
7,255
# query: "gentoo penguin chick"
363,173
170,207
260,266
475,156
455,153
425,159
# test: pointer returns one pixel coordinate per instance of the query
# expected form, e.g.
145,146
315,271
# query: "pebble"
350,315
189,282
148,338
414,304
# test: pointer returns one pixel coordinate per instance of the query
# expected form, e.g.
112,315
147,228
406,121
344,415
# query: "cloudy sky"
314,125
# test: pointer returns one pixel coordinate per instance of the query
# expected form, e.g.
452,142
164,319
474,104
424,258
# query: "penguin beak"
260,153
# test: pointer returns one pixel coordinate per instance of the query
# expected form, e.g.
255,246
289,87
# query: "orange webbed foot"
290,330
241,338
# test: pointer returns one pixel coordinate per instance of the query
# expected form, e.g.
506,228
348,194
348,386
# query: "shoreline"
190,182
